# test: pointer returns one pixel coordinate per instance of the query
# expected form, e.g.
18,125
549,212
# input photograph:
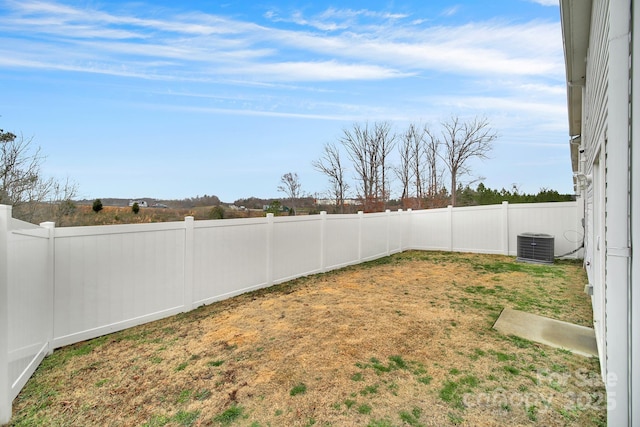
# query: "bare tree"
463,141
411,168
417,138
62,195
291,187
432,147
23,186
331,165
368,148
19,169
404,170
385,142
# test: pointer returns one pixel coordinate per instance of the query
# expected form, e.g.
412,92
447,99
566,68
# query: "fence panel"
477,229
112,277
397,223
374,236
296,247
29,303
230,257
431,230
341,240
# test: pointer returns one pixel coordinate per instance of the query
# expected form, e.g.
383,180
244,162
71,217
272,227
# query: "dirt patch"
405,340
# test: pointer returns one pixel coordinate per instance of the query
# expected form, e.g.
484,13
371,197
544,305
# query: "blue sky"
171,99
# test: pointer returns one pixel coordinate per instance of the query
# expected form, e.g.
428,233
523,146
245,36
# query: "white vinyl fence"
59,286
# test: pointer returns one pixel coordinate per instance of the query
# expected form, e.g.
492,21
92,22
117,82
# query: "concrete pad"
555,333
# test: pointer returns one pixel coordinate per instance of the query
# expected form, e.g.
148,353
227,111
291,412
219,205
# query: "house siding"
604,180
595,107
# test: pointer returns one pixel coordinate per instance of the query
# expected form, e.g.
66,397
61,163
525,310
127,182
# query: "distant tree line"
483,195
424,157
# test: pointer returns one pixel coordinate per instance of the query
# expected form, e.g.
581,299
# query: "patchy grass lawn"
402,341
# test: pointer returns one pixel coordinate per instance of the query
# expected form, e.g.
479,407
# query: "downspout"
634,230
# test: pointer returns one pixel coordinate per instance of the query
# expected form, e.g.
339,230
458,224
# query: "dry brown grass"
406,340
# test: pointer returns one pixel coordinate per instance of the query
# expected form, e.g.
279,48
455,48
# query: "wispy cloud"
450,11
333,19
546,2
362,44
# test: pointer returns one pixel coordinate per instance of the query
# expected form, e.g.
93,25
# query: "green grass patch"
215,363
425,380
452,391
364,409
349,403
520,342
181,367
511,370
297,389
480,290
455,419
202,394
230,415
470,380
477,353
380,367
503,357
158,420
370,389
412,418
380,423
184,396
357,377
399,362
186,418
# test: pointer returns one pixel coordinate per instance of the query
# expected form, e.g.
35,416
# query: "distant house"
332,202
602,55
141,203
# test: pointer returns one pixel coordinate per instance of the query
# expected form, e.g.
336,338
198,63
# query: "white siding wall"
606,161
593,163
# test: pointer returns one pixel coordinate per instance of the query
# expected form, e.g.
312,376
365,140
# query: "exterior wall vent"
535,247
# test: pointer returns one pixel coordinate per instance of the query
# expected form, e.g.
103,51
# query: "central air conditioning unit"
535,247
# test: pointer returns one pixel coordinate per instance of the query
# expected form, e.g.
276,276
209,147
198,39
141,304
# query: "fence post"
323,243
450,226
408,230
269,249
360,219
505,228
388,212
400,228
5,401
189,252
51,282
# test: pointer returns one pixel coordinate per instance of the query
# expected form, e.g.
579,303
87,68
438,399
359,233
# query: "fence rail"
59,286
